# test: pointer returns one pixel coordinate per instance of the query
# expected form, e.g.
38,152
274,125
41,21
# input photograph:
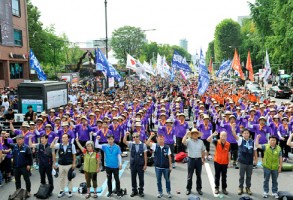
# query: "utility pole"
106,26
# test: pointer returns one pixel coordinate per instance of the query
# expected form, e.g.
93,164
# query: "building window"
16,71
16,8
17,37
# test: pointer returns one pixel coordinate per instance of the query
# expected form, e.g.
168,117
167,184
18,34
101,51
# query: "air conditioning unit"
19,117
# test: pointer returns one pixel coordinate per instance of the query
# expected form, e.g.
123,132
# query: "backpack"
285,195
246,198
180,156
150,161
19,194
44,191
82,188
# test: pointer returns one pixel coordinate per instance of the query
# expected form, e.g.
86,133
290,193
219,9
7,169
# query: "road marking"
104,185
212,181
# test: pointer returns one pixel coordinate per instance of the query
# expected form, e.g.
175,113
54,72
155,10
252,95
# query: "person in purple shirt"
116,130
181,127
6,150
65,129
48,131
103,139
24,131
231,139
252,119
263,130
169,133
138,129
206,129
92,120
274,125
83,131
284,133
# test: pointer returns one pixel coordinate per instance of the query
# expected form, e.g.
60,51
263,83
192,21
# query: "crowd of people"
145,118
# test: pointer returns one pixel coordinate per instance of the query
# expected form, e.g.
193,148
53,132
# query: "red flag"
236,65
249,67
211,66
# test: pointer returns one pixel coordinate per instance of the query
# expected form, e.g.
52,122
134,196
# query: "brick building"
14,63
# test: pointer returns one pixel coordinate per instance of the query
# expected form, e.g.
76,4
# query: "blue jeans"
267,174
166,173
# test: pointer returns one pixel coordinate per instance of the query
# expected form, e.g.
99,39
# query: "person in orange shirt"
221,160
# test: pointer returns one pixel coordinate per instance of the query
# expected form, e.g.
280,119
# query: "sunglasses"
135,136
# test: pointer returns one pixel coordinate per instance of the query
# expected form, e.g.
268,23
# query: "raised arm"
11,126
148,142
97,145
52,146
79,145
234,132
259,146
125,138
210,138
186,136
30,142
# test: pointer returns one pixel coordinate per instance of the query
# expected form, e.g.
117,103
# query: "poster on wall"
6,25
111,82
56,98
37,105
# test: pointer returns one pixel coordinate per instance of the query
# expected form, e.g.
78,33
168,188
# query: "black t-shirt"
9,116
29,114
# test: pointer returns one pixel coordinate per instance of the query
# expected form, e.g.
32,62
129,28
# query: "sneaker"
240,191
119,195
217,191
28,194
225,192
141,194
210,157
61,194
248,191
254,167
160,195
0,184
173,165
109,194
133,194
69,194
275,195
265,195
200,192
169,195
187,192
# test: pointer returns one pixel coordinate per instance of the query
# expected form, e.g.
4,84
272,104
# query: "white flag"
148,68
131,63
267,71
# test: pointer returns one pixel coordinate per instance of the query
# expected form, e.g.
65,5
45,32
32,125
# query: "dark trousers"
285,148
26,175
220,170
172,148
194,164
46,170
189,112
115,172
137,170
234,151
180,145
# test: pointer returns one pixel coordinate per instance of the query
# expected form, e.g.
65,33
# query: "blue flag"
179,62
103,65
224,68
35,65
102,62
204,78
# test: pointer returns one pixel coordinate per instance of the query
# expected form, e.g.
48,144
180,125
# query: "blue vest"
65,158
20,158
245,152
45,155
161,158
137,158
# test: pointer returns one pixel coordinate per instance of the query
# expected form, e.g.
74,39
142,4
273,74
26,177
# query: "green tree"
210,52
227,38
127,40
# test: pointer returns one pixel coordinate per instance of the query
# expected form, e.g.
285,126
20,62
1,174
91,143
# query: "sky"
195,20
